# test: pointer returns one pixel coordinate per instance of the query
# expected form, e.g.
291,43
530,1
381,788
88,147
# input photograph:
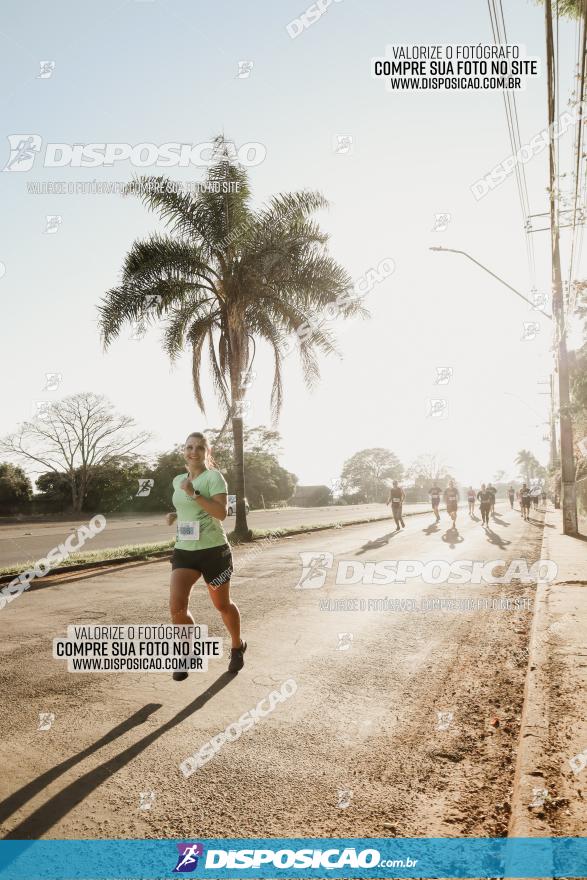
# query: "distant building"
311,496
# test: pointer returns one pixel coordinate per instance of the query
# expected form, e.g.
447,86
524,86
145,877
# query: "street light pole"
568,493
485,269
568,488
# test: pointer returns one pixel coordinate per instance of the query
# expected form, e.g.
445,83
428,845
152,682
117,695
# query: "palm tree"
227,276
528,463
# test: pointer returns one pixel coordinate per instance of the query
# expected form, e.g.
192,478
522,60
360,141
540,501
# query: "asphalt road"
409,730
22,543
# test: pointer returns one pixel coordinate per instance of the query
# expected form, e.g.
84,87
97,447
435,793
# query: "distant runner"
511,496
471,499
435,492
543,498
491,488
396,499
525,501
451,499
485,497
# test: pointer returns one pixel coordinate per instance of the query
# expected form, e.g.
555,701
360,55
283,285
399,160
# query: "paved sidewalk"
551,775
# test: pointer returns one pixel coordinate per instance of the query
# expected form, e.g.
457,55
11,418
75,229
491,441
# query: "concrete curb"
529,771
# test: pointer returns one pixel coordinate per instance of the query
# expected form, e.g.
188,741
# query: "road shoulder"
550,787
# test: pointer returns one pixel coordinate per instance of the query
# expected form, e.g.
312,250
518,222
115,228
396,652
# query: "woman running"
396,499
485,497
471,499
451,499
201,548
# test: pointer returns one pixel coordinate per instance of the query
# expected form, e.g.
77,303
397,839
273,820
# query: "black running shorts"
215,563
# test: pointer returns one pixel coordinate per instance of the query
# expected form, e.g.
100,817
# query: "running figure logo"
314,570
23,148
187,861
443,375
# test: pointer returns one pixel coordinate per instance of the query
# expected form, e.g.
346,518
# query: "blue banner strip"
294,857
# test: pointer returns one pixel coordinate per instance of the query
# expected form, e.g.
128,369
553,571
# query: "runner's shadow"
494,538
452,538
499,521
430,530
474,517
14,801
39,822
378,542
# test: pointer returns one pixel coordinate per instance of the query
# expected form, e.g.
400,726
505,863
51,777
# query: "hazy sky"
166,70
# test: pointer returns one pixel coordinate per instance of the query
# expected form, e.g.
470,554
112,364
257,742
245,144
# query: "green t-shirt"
191,517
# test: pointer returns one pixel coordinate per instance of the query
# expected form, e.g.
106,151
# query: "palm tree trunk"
241,528
239,358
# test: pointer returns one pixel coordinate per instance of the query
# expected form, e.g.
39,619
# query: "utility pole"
568,493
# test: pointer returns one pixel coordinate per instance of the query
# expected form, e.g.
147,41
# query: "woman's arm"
216,506
170,518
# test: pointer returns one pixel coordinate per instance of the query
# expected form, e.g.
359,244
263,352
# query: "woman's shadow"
43,818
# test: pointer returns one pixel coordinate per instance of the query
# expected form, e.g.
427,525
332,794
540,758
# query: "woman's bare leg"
182,581
230,614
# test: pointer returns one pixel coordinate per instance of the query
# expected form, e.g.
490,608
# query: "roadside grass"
138,551
144,551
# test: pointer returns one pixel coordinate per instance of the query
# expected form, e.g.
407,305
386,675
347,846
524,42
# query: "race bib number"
188,531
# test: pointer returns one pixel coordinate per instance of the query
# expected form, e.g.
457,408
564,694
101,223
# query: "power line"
513,125
580,186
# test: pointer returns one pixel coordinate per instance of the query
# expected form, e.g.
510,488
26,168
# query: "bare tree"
429,468
73,437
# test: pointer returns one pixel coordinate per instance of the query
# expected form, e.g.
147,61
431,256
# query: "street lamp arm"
485,269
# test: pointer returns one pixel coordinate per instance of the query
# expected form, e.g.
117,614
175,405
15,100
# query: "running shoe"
180,675
237,657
